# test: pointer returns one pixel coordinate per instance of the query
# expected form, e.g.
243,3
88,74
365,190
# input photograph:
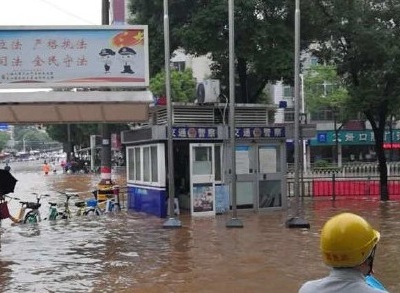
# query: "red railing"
346,187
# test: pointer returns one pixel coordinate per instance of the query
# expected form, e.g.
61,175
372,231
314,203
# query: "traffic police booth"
202,160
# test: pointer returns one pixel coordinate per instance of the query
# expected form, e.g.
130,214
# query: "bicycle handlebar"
68,194
11,197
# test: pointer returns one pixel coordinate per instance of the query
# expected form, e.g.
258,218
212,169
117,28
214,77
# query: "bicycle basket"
33,205
4,212
91,203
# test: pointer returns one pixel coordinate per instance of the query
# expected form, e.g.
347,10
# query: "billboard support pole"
105,186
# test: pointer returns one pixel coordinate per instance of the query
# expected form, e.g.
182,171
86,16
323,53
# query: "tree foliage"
363,39
183,85
79,133
4,137
324,89
264,38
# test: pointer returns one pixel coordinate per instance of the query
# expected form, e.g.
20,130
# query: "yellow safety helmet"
347,240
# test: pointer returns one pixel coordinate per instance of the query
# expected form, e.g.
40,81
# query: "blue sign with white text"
4,126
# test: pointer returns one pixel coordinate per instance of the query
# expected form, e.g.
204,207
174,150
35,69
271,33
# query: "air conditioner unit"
207,91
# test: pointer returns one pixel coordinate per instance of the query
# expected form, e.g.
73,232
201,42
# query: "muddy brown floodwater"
131,252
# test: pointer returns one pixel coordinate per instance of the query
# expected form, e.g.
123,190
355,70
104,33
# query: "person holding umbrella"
7,185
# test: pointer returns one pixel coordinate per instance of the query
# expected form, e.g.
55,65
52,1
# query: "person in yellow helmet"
348,244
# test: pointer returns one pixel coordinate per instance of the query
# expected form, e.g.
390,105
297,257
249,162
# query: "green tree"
363,39
183,85
30,137
79,133
264,38
324,90
4,138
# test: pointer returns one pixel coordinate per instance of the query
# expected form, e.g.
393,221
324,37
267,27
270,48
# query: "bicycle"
32,216
88,207
106,206
55,214
94,207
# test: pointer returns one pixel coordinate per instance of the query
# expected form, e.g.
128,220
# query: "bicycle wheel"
92,212
31,218
65,215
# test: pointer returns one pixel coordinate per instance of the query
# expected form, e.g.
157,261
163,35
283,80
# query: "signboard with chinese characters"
74,56
260,132
355,137
4,127
195,132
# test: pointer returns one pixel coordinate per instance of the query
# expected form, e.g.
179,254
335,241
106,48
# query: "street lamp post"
172,222
296,221
304,116
234,222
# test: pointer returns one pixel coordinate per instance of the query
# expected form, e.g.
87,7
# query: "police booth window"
202,164
143,164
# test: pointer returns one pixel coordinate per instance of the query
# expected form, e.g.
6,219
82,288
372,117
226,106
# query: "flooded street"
131,252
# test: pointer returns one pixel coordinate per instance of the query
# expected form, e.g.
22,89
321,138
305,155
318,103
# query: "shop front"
355,145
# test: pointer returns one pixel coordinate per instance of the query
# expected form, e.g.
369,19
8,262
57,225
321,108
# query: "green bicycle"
55,214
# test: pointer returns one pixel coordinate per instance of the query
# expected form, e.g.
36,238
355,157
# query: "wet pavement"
131,252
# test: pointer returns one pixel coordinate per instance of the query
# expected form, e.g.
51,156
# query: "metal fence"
349,169
339,186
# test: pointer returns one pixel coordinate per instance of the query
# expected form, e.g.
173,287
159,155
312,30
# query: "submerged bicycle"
55,214
94,207
33,214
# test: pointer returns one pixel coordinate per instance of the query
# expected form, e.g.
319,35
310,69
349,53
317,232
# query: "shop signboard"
353,137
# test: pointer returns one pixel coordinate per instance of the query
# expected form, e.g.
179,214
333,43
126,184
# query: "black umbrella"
7,182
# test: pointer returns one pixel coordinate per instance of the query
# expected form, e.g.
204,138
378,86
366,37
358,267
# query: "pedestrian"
348,244
46,168
7,167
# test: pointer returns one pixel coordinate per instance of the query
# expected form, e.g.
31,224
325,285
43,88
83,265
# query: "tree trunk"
379,133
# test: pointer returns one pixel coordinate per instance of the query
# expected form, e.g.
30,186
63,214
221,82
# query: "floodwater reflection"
131,252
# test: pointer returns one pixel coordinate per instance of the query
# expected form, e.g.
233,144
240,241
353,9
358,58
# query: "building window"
144,166
322,115
154,164
137,172
180,66
314,61
289,115
288,92
131,164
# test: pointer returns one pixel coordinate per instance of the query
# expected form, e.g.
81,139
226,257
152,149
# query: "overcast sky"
50,12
